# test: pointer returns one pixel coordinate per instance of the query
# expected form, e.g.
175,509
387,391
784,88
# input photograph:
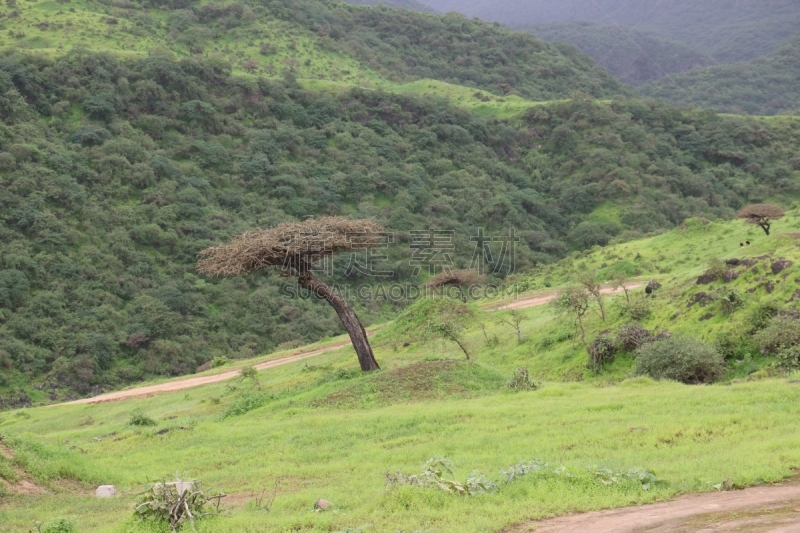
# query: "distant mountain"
764,86
727,30
632,56
400,4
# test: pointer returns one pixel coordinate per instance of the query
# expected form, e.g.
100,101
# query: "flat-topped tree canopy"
294,247
291,246
762,215
455,278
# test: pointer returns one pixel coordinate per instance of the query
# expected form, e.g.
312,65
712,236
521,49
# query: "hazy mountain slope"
630,55
764,86
414,5
727,30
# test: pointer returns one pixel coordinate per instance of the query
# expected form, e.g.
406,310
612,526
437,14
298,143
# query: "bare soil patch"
769,508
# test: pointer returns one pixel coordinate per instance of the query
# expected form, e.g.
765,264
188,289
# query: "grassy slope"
53,28
331,434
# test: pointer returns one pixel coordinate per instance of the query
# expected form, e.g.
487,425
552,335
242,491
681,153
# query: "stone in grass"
652,287
780,266
105,491
322,505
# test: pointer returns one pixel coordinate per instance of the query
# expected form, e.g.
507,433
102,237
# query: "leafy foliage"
681,359
246,402
522,380
728,33
433,475
631,55
601,352
764,86
139,419
102,217
782,332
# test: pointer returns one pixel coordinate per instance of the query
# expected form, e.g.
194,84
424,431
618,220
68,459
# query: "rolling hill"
118,167
597,439
630,55
765,86
727,30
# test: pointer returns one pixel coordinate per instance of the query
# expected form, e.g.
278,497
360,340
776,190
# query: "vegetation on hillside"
768,85
628,54
315,40
114,174
727,30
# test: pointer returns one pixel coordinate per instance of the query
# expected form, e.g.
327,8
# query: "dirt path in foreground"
766,509
181,384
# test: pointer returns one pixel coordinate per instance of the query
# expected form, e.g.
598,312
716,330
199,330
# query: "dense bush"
631,337
601,352
681,359
782,332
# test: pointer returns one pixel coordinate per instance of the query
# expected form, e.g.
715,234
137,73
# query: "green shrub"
781,332
736,346
631,337
522,380
219,361
246,403
681,359
637,309
601,352
761,315
789,358
139,419
58,525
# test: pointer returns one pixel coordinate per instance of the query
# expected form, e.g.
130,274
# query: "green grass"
702,436
327,431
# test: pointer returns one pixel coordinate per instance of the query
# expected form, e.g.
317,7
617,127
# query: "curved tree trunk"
349,319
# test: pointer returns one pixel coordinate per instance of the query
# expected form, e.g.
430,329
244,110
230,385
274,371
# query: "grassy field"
319,429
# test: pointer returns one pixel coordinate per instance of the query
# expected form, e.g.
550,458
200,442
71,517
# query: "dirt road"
766,509
181,384
549,297
187,383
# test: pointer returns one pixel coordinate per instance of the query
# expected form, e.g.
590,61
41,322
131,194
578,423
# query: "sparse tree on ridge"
293,248
762,215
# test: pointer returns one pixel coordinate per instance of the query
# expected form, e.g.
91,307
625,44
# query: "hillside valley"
303,265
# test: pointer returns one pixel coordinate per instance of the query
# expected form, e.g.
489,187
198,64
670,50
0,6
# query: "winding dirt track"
182,384
765,509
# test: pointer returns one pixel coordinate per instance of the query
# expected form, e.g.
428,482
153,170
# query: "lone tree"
455,278
762,215
293,248
574,301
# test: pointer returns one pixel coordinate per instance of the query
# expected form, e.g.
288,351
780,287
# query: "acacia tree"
574,301
595,288
455,278
762,215
294,248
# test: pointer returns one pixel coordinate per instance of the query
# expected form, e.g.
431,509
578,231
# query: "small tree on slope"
293,248
762,215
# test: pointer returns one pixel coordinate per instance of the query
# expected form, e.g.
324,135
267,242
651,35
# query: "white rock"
105,491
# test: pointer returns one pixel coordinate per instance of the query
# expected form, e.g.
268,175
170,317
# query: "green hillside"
316,429
116,173
628,54
765,86
312,39
726,30
414,5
